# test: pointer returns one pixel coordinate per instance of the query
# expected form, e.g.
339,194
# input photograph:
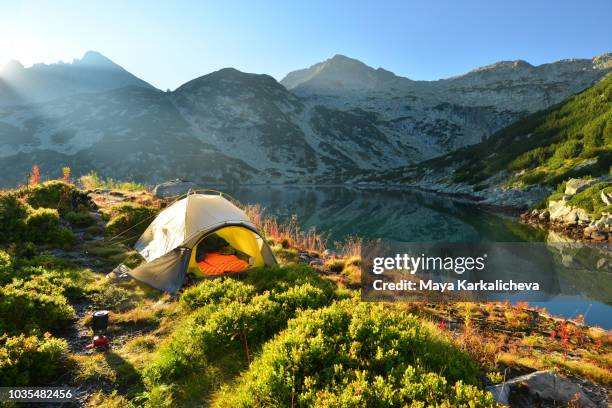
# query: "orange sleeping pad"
217,264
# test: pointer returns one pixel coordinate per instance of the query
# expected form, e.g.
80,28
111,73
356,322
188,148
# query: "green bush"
25,308
6,267
13,213
53,194
530,159
304,296
355,354
20,222
279,279
80,218
29,360
335,265
569,149
216,291
42,225
128,221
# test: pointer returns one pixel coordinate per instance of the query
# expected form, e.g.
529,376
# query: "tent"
201,233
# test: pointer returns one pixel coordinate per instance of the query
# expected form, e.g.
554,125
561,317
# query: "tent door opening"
231,249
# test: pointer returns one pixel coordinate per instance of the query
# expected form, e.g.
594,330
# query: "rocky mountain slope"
41,82
524,162
435,117
326,124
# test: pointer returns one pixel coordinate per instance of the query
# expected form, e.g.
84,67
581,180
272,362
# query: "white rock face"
575,186
560,212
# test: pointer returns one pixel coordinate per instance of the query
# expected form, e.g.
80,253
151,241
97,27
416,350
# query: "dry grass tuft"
289,234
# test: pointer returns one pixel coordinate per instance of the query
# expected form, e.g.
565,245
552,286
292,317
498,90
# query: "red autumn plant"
35,177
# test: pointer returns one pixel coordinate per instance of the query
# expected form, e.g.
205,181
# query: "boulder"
173,188
560,212
603,224
606,198
574,186
540,386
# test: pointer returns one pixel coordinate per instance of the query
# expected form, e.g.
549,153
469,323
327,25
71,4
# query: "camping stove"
100,324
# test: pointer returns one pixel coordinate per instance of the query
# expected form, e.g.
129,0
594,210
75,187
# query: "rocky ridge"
335,121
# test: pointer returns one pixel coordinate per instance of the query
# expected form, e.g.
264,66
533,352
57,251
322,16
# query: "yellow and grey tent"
170,243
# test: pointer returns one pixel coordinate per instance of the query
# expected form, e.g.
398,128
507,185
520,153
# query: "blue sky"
170,42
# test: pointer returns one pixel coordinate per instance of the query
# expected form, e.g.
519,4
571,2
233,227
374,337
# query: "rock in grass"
538,387
574,186
606,198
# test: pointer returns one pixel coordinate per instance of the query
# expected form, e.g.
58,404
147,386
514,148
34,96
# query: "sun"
24,49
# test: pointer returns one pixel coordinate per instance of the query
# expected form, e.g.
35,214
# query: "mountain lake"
414,216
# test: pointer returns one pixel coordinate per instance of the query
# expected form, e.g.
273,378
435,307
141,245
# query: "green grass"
547,147
91,181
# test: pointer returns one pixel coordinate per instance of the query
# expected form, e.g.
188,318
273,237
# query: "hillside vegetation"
292,335
571,139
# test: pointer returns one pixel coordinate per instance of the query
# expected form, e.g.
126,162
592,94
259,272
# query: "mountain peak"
505,65
43,82
94,58
229,78
341,73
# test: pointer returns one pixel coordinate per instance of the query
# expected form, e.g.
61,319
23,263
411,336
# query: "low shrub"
335,265
111,297
13,213
42,225
216,292
6,267
40,280
19,222
80,218
280,279
28,308
353,274
128,221
230,321
352,354
590,199
29,360
54,194
299,297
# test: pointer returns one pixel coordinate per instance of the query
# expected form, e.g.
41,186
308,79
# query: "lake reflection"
414,216
382,214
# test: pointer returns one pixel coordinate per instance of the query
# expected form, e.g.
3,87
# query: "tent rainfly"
191,234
